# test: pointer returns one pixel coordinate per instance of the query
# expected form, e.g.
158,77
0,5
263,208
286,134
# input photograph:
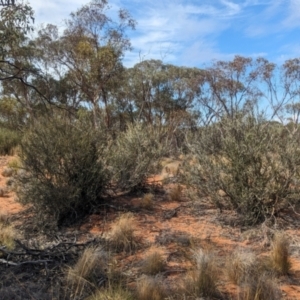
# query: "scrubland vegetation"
86,130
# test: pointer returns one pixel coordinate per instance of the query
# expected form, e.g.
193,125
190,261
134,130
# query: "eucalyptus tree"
161,93
15,23
88,55
230,87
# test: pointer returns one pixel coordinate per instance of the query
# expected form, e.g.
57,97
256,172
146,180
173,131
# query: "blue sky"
193,33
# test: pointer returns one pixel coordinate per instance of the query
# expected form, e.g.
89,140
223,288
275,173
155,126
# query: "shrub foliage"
9,139
247,164
136,153
65,168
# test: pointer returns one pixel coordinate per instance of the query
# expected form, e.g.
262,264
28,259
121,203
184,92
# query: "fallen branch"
11,263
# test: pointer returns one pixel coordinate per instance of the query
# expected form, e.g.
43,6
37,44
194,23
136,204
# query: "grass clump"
280,256
90,268
122,237
175,193
261,288
240,265
147,201
112,293
202,281
15,164
7,233
150,288
153,263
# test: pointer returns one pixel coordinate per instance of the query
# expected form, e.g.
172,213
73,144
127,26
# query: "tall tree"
89,53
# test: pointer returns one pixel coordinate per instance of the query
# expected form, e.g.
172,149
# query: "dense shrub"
254,169
65,168
9,139
136,153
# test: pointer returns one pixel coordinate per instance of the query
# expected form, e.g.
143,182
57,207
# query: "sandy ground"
197,222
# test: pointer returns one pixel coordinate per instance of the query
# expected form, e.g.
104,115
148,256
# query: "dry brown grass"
175,193
153,263
121,236
147,201
7,233
82,277
202,281
280,256
261,288
150,288
112,293
239,265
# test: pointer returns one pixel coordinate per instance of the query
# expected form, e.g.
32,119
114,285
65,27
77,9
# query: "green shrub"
9,139
253,169
65,168
135,155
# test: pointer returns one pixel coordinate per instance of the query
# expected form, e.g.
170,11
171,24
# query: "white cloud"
293,18
266,21
54,11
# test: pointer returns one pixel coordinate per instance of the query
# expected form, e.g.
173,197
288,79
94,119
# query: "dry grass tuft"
115,275
122,236
175,194
7,233
150,288
15,164
90,268
280,257
112,293
202,282
153,263
239,265
147,201
262,288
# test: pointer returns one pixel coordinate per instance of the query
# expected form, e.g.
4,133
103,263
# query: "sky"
196,32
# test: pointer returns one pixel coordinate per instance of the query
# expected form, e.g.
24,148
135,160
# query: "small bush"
150,288
121,236
253,165
153,263
65,171
9,139
202,281
280,257
135,155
